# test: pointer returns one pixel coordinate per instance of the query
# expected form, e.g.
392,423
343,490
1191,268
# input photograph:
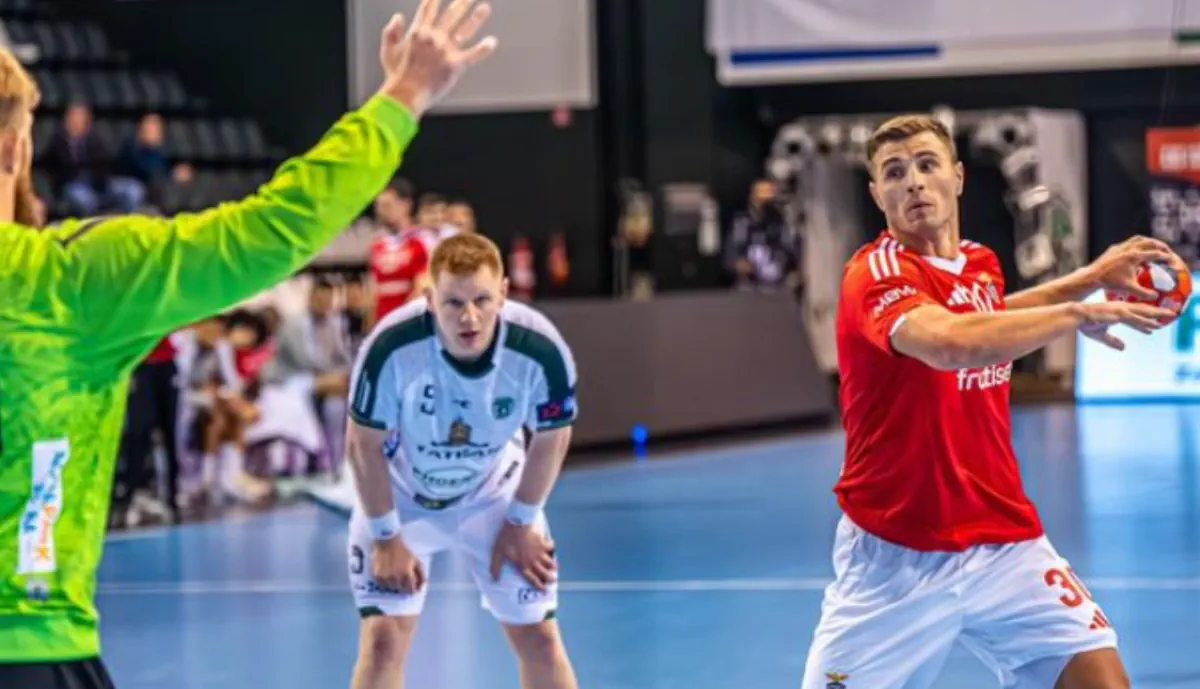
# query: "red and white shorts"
891,616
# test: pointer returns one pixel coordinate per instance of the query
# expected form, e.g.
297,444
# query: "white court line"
191,588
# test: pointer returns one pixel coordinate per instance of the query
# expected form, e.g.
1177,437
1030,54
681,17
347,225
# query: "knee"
384,642
537,644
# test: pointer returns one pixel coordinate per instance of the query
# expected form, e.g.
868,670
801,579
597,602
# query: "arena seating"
75,61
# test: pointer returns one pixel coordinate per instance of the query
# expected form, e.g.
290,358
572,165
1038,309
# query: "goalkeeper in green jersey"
82,302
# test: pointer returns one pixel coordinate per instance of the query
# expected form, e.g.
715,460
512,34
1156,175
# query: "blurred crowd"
248,407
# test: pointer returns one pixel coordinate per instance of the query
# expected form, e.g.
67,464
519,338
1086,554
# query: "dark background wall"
288,69
283,63
662,117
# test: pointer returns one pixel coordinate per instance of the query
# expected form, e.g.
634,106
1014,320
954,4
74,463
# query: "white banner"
545,58
738,25
758,42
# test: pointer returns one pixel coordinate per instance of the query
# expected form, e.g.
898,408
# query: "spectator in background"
311,346
460,217
358,313
182,193
80,165
308,376
761,250
144,160
394,207
397,263
153,406
432,224
431,211
219,414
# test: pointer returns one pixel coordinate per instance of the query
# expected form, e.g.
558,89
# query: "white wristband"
386,527
522,513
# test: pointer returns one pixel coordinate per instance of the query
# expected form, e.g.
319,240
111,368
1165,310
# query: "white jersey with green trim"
451,421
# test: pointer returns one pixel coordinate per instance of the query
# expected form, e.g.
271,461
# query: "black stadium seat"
104,95
206,142
73,49
46,41
95,43
178,141
75,87
128,97
53,96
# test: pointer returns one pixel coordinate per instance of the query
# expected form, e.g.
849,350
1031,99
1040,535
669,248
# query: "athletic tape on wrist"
522,513
385,527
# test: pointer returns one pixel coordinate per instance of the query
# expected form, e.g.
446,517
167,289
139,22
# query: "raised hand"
1116,269
422,64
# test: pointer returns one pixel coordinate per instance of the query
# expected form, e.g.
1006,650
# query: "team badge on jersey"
460,433
502,407
837,680
990,286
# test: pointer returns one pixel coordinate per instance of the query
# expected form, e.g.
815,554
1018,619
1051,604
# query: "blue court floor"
701,570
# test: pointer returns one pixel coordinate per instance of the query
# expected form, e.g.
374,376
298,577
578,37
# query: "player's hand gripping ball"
1171,284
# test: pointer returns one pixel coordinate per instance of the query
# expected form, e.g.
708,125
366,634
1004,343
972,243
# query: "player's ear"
12,154
960,173
504,289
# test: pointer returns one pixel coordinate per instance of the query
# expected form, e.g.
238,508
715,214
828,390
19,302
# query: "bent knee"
384,641
537,644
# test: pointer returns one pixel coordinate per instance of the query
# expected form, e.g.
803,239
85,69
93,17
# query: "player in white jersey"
442,391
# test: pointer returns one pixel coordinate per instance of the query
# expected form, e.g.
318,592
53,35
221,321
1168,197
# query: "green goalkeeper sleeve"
83,302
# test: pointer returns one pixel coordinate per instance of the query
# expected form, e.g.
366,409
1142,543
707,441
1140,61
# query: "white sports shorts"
470,529
891,616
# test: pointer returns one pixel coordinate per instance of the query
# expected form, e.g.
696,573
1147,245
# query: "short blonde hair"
905,127
464,254
19,93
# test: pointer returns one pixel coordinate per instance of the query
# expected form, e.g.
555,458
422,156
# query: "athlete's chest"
973,290
446,416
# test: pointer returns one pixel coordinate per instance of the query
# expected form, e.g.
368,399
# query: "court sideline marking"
159,588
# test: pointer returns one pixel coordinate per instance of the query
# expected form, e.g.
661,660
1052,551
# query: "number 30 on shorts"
1076,593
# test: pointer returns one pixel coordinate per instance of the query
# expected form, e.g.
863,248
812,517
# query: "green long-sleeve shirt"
83,302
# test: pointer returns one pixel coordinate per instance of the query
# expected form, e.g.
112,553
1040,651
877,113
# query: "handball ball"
1174,287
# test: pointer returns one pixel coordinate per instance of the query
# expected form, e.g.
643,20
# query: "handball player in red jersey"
938,543
398,264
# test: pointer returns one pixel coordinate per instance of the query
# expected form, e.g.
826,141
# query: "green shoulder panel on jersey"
386,343
545,352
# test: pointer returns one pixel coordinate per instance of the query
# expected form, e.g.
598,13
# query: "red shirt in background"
164,351
396,261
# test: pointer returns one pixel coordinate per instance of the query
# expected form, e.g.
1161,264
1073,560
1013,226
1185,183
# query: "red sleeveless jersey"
929,462
396,261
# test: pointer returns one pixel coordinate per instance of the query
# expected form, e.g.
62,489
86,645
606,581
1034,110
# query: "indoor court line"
644,586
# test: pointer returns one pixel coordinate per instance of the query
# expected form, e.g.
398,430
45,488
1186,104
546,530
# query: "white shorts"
891,616
469,529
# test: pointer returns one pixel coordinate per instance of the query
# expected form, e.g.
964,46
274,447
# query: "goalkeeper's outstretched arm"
143,276
136,278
